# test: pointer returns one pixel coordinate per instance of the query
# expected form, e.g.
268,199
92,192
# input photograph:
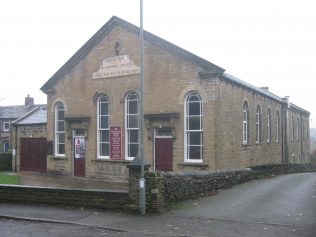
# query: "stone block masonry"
110,200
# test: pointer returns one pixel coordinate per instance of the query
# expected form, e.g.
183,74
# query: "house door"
163,149
79,154
33,154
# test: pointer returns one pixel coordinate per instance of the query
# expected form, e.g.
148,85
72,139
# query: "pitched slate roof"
14,112
36,116
104,30
116,21
260,91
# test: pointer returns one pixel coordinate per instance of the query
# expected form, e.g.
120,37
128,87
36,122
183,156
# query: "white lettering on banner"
115,67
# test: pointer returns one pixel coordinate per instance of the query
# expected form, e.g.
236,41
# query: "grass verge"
8,179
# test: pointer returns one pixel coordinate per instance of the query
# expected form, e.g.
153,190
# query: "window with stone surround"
131,125
245,123
193,134
277,127
293,128
298,130
59,130
268,125
103,137
258,124
6,125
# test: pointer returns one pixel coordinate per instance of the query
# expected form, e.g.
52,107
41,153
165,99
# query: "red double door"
33,154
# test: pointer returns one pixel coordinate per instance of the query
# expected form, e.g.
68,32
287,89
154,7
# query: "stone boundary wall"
111,200
5,161
165,189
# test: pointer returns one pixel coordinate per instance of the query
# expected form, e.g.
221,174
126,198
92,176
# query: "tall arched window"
193,134
258,124
277,127
268,125
298,130
59,130
293,128
131,125
103,139
245,123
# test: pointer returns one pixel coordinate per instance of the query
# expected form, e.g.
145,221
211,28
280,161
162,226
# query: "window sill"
247,145
58,157
111,161
193,164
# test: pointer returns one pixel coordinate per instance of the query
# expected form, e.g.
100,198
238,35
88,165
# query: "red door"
33,154
79,156
163,154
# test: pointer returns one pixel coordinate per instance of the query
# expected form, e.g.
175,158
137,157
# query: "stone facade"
170,73
32,125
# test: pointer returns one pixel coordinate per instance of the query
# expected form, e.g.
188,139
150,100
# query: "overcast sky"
266,43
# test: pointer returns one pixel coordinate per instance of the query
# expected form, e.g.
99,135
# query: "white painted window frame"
268,125
187,131
57,132
100,130
258,124
277,129
6,125
127,129
245,122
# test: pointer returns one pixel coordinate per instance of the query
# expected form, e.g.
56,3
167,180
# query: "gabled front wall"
168,78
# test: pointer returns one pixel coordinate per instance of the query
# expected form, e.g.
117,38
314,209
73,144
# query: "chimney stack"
29,101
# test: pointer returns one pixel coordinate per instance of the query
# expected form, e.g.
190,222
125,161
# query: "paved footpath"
282,206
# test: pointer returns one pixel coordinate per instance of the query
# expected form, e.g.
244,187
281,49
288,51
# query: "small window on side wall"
245,123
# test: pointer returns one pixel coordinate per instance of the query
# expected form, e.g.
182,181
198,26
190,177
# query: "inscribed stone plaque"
116,66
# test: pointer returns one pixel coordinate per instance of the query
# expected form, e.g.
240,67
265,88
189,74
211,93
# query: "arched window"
277,127
268,125
59,130
103,137
193,134
245,123
293,129
131,125
298,130
258,124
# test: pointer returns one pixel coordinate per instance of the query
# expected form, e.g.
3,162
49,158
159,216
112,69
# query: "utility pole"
142,192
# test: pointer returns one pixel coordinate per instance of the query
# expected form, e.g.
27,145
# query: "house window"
131,125
6,125
268,125
103,138
193,134
258,124
277,127
5,145
59,130
245,122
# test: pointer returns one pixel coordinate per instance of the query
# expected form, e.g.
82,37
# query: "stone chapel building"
197,117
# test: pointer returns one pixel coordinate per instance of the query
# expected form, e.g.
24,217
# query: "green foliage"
8,179
5,161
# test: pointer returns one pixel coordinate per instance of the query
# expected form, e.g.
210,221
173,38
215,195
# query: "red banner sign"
116,143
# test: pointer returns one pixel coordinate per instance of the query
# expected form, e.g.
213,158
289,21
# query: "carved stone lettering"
116,66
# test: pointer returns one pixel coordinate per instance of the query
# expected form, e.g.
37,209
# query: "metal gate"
33,154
